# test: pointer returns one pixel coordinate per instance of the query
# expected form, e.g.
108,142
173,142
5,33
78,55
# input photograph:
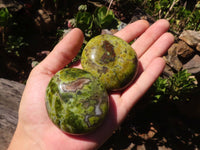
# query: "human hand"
36,131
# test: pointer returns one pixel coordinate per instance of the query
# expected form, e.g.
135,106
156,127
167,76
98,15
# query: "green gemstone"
110,59
76,101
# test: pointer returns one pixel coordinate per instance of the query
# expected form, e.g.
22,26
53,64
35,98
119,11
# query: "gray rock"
10,95
191,37
167,72
193,65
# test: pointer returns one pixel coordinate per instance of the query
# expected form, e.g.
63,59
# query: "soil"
17,68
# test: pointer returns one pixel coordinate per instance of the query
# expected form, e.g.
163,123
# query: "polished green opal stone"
76,101
110,59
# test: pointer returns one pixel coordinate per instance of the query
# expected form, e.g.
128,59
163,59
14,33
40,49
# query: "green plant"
104,18
5,17
181,14
92,23
177,87
14,44
84,21
193,20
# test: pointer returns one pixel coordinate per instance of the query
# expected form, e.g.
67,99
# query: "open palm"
36,131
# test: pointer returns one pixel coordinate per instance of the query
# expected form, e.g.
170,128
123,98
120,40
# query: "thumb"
63,52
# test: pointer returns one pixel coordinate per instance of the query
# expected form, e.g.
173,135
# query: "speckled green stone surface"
76,101
112,60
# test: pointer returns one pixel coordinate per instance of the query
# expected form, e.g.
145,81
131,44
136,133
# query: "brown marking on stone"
103,70
109,54
75,85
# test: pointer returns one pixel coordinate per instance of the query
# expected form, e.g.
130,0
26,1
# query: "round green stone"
76,101
110,59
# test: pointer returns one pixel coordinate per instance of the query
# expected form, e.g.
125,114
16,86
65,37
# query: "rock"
111,32
172,50
183,55
106,31
191,37
193,65
130,147
10,95
71,94
11,5
198,47
139,14
172,58
167,72
141,147
184,51
121,25
163,148
152,132
44,21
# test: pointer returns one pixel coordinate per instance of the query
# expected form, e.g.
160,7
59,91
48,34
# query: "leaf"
4,16
176,87
84,20
104,18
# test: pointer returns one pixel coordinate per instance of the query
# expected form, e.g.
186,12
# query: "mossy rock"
110,59
76,101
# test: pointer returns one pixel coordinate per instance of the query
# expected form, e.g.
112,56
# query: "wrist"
22,141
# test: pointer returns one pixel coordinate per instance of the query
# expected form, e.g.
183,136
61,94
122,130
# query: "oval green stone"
76,101
110,59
